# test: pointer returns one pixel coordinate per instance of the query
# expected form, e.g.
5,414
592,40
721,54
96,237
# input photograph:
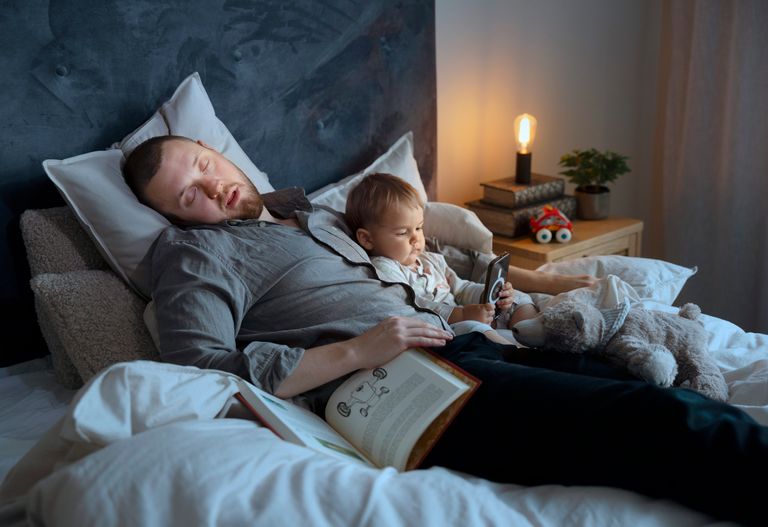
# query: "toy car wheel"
563,235
379,373
543,236
343,409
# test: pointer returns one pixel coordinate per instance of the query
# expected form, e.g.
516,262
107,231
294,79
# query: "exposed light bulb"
525,132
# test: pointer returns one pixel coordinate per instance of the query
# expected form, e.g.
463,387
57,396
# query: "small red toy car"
551,222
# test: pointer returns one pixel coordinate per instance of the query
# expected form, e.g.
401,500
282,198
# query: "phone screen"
495,277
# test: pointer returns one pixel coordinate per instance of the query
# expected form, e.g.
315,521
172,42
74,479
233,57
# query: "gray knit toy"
661,348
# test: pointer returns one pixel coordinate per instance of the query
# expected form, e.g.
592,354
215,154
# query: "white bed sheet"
31,400
114,458
743,359
141,445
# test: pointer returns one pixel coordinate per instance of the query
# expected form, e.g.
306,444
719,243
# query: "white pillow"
451,224
652,279
398,161
93,186
457,226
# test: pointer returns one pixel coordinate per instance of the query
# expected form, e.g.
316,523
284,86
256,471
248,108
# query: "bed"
145,442
99,432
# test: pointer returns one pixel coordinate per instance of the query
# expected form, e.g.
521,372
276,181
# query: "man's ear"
364,238
205,145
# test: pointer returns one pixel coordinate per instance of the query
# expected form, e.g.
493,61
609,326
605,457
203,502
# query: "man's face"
195,184
399,235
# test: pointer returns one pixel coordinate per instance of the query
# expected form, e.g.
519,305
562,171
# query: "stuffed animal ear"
578,319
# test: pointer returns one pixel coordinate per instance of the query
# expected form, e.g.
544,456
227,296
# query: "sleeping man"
276,291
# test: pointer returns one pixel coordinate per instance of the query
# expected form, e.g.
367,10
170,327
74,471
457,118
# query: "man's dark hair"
142,164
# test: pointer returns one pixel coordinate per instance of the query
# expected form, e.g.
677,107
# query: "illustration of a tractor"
364,394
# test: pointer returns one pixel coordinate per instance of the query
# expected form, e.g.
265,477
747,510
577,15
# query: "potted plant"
590,170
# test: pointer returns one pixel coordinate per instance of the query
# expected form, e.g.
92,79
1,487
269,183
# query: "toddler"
386,215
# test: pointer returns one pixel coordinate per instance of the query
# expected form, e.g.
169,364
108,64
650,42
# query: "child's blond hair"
376,194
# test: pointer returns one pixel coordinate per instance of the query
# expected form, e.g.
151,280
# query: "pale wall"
586,70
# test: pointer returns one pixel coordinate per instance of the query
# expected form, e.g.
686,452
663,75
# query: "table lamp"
525,131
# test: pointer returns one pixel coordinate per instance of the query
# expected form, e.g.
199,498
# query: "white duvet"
144,443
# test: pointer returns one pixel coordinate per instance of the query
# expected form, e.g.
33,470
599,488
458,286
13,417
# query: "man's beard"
251,205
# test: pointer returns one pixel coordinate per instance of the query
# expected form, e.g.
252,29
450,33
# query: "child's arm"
480,312
464,291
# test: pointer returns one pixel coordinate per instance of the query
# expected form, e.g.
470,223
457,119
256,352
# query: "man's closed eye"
190,196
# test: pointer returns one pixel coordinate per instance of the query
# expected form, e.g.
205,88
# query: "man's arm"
200,303
375,347
540,282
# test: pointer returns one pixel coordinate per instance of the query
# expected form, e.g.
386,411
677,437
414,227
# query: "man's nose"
212,187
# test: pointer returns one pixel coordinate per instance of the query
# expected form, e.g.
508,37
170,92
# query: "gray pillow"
56,243
94,318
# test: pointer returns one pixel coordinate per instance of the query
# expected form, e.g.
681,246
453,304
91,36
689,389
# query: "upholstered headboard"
311,90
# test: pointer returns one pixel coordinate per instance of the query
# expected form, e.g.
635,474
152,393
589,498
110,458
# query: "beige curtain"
710,184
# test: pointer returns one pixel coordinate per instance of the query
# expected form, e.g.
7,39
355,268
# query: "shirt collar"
285,202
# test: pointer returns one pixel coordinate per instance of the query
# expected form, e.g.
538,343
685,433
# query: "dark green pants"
542,417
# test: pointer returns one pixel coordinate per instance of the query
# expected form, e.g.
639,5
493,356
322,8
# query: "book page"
295,424
384,411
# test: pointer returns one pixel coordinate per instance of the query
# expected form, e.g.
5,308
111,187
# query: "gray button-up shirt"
250,296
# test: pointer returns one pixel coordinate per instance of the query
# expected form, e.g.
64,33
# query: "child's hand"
480,312
506,297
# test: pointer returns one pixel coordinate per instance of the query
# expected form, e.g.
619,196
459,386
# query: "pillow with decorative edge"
450,224
398,161
92,184
652,279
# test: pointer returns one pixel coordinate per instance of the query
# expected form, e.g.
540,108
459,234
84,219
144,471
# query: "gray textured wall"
312,90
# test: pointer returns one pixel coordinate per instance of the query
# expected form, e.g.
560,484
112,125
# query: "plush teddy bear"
658,347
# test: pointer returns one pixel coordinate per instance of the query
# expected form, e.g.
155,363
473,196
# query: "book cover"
506,193
388,416
515,222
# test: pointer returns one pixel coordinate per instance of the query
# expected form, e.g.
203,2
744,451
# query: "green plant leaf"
592,167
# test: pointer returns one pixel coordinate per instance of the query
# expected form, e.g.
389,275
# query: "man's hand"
389,338
378,345
506,297
550,283
564,282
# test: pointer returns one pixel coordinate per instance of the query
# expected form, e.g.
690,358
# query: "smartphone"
495,277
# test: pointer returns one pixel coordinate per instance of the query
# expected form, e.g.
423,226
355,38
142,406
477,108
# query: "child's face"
398,235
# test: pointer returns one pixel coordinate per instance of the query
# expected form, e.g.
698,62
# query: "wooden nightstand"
593,237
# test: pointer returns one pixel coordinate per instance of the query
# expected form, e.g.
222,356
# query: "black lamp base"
523,169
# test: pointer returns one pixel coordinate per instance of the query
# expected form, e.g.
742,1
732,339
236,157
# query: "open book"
388,416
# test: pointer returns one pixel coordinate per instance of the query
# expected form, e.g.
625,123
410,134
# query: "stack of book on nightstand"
507,207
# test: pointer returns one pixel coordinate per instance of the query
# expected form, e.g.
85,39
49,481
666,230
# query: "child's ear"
364,238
